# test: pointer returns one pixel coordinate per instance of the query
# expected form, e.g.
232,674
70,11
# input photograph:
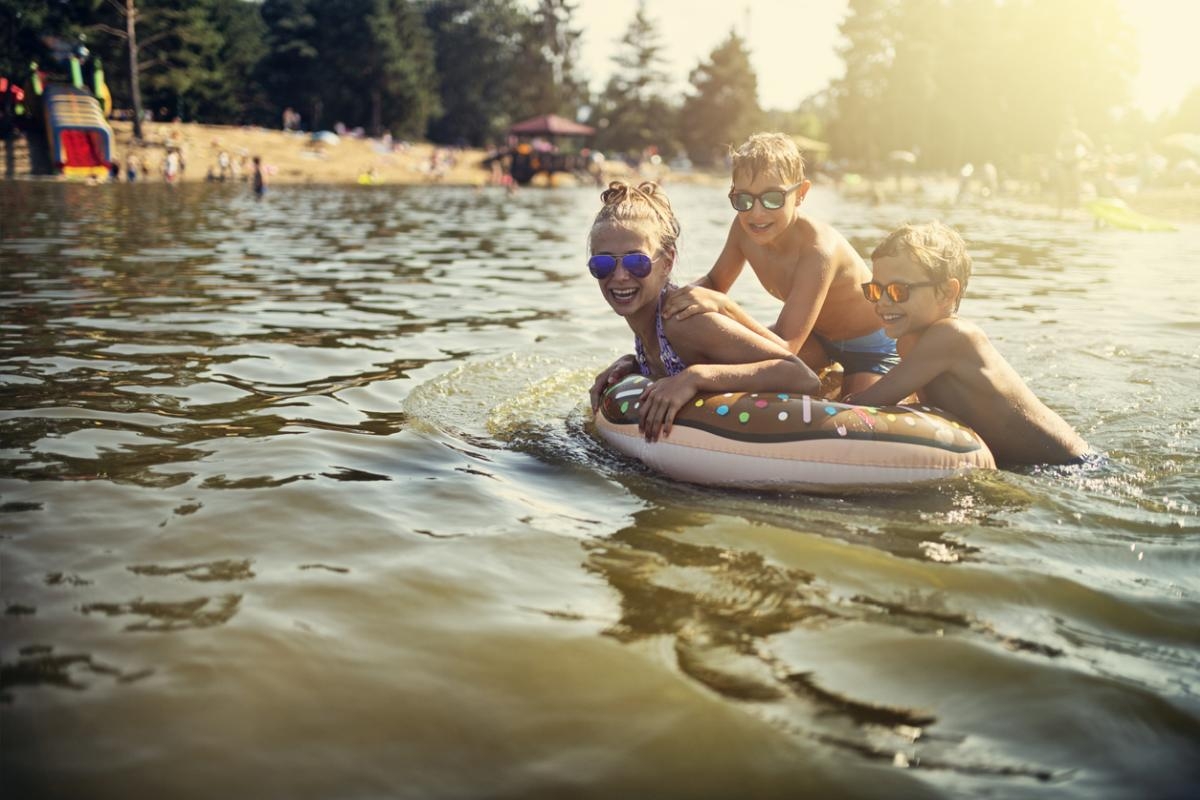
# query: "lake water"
299,499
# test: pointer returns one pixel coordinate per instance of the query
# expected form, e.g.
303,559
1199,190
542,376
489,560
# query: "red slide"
82,149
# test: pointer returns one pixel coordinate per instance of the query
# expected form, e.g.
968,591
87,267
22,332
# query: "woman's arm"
661,401
724,357
625,365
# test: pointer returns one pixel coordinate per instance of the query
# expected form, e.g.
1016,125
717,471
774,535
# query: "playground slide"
80,139
81,149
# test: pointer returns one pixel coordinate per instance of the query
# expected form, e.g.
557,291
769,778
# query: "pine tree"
633,111
724,110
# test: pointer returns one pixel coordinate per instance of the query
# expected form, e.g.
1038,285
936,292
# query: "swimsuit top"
670,360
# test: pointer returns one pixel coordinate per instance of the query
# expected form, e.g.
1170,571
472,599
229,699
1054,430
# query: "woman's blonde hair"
643,208
935,247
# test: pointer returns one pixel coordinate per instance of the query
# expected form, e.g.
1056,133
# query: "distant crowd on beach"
171,166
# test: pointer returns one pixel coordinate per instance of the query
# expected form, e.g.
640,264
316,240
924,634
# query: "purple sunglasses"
636,264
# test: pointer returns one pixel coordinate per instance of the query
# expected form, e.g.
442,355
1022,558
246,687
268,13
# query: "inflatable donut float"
781,441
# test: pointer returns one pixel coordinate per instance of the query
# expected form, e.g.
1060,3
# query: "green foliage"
547,79
498,63
1187,119
808,124
480,46
724,110
290,72
975,80
857,95
365,63
242,48
632,111
23,23
181,66
951,80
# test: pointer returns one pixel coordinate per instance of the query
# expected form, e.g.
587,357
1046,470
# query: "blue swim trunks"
875,352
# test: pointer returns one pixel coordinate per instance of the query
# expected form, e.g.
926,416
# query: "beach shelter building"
528,158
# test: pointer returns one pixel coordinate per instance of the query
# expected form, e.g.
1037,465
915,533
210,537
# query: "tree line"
950,80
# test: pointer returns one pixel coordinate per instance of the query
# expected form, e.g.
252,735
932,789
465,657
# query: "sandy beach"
295,158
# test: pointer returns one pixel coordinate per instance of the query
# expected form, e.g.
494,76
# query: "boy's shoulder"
953,326
952,334
811,234
817,239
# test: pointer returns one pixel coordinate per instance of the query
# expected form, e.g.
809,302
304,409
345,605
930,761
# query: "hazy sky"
793,42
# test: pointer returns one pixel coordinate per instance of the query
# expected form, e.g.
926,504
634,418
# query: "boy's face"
761,224
926,302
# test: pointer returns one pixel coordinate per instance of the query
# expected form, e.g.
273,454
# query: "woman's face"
625,292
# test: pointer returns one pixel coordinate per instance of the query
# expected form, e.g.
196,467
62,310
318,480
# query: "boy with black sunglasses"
920,274
800,260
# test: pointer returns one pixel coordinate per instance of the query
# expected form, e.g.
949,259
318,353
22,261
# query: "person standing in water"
258,178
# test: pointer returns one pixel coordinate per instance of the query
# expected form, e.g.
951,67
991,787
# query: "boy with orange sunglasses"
920,274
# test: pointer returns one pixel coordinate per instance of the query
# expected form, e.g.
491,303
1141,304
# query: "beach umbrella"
550,125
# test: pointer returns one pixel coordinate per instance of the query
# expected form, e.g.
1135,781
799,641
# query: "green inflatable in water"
1115,212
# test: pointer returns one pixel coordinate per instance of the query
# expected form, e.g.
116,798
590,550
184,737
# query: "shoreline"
294,158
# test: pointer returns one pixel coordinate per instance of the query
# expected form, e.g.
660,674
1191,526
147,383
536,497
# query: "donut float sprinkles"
780,441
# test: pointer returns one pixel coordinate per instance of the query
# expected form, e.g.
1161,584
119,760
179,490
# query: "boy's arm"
728,265
712,287
813,276
697,300
935,352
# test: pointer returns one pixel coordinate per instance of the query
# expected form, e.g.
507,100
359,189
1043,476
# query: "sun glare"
1164,34
1166,41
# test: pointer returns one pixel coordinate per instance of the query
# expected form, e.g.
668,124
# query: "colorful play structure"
77,131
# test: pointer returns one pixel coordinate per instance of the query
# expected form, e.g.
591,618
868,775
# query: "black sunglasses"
636,264
898,292
771,200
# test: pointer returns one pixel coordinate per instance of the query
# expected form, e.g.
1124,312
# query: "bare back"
816,273
971,380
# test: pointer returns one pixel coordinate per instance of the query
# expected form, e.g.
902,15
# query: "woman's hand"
625,365
692,300
661,402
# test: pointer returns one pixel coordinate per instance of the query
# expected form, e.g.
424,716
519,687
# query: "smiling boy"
920,275
800,260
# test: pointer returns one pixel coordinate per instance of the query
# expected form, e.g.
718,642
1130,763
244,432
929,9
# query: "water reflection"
168,617
39,665
723,609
